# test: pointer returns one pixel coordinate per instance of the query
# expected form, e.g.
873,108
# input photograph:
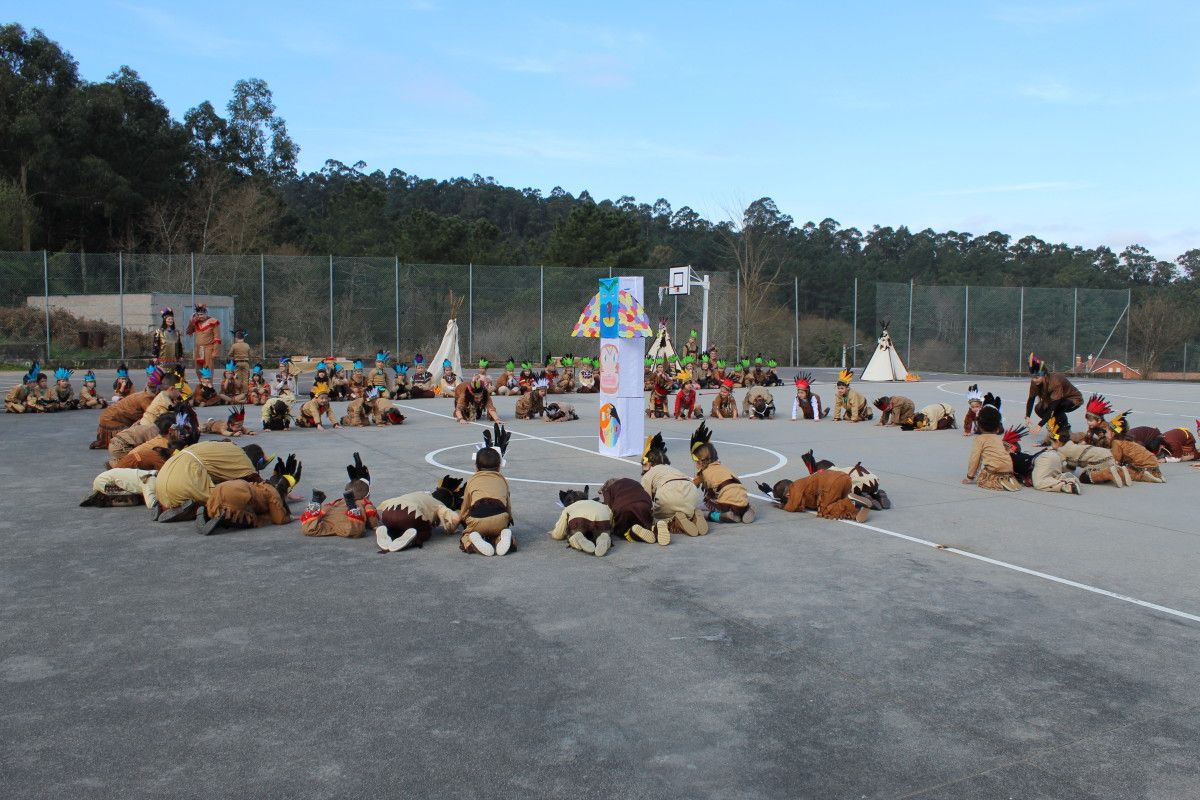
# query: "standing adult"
206,337
1051,396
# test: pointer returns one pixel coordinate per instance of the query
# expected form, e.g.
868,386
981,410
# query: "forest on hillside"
95,167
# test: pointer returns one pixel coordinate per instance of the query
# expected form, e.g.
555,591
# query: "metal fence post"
541,310
908,344
1128,320
262,301
1185,344
1074,328
796,313
397,280
853,333
192,260
470,312
966,323
331,304
1021,332
46,297
121,297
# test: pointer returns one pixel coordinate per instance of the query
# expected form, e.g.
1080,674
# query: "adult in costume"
166,345
206,337
239,354
1051,396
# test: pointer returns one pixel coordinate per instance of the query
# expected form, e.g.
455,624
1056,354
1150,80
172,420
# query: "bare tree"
756,246
1159,324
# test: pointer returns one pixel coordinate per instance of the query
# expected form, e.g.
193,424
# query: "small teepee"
448,349
885,365
662,348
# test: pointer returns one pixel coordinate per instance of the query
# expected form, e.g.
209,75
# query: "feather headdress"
1098,406
655,442
700,437
845,377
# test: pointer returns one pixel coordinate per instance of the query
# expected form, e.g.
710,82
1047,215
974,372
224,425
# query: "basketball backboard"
678,282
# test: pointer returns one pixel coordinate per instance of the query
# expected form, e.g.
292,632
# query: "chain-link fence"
92,307
992,329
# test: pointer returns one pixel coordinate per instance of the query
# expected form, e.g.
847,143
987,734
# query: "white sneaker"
382,539
603,543
505,543
481,545
662,532
748,515
581,542
403,540
645,534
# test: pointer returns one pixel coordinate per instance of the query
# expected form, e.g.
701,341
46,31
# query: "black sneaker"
207,526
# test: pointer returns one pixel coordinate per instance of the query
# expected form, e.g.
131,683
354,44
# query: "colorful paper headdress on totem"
613,309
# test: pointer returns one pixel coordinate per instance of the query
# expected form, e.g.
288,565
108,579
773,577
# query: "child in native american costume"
233,425
806,405
725,498
448,382
409,520
188,476
206,394
339,384
122,488
1094,413
506,381
1173,445
724,405
586,525
168,396
174,432
401,391
88,396
827,492
250,504
258,391
206,337
758,376
660,391
566,381
356,384
378,377
758,403
687,405
21,399
1140,462
486,515
741,374
974,403
560,412
589,377
120,415
277,415
1051,395
773,378
358,412
320,382
933,417
1097,463
122,385
526,378
864,484
676,500
62,396
125,440
383,411
632,511
692,346
233,392
533,403
473,401
894,410
990,466
239,354
849,405
350,514
1045,470
166,345
314,410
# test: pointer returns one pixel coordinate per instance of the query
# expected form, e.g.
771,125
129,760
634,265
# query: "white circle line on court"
431,458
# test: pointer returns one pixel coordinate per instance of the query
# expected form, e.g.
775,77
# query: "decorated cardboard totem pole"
615,316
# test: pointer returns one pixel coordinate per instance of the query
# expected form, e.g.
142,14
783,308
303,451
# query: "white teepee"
448,349
662,347
885,365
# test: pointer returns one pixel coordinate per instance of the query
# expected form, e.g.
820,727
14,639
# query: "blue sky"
1074,121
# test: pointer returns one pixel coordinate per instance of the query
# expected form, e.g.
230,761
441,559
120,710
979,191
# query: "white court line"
933,545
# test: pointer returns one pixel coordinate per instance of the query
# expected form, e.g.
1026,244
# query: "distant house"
1113,368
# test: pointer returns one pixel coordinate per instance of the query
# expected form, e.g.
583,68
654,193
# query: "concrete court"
795,657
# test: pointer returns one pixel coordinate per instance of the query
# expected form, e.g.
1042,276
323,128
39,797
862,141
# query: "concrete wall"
142,312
